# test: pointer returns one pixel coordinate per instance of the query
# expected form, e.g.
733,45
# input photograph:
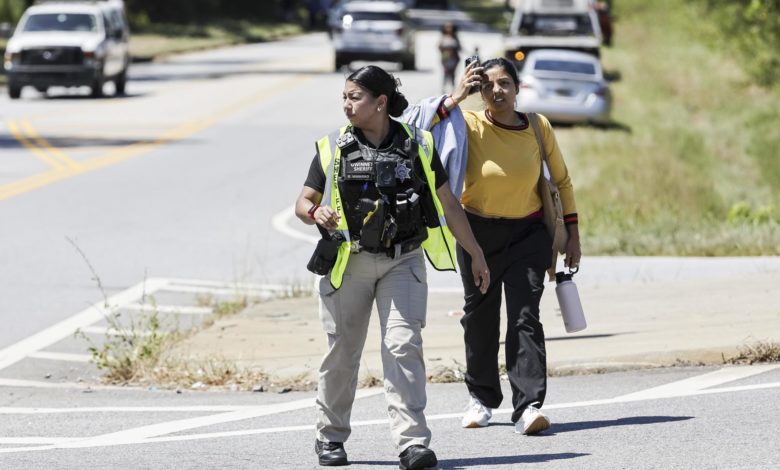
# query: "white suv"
61,43
374,30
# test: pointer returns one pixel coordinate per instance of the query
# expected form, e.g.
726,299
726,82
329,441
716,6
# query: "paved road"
702,418
171,191
178,180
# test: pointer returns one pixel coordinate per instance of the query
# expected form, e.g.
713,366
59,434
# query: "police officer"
379,195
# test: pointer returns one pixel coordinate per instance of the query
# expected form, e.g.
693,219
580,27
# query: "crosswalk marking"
161,432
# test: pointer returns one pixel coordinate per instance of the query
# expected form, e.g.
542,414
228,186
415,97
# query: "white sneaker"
477,415
532,422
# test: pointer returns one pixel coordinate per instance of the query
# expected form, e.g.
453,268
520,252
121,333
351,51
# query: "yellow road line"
42,155
53,151
180,132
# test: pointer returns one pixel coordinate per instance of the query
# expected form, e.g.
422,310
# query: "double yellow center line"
61,166
52,156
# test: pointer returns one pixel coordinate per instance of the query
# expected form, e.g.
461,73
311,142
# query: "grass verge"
688,166
758,352
685,169
164,39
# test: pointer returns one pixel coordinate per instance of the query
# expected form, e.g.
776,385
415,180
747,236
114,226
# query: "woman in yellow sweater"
505,213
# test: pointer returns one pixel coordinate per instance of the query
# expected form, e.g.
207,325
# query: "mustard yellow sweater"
503,168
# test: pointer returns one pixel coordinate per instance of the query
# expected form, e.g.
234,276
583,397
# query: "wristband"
312,210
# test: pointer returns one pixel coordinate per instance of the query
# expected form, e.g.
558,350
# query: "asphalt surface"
182,190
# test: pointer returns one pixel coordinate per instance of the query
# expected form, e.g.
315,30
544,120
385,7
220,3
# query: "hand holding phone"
471,60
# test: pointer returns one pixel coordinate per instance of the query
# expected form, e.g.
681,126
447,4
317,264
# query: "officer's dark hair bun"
397,104
379,82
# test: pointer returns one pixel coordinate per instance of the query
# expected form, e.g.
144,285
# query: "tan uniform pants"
400,289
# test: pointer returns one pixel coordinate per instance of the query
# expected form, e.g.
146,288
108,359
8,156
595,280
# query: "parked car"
553,24
374,30
69,44
565,86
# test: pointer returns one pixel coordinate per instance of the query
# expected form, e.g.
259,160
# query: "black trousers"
518,255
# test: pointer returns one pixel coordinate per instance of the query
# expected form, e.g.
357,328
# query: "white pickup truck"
553,24
66,43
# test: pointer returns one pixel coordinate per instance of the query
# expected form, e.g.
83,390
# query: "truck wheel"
121,83
14,91
407,63
97,88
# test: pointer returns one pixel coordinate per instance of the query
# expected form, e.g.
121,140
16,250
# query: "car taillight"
525,85
601,91
399,31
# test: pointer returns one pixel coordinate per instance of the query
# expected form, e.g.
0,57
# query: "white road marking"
20,383
280,222
171,309
124,409
59,356
140,434
238,286
224,292
106,331
154,432
700,382
16,352
132,298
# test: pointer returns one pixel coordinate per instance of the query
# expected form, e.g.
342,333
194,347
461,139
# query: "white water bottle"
569,300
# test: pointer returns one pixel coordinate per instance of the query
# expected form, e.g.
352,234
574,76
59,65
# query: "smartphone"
469,60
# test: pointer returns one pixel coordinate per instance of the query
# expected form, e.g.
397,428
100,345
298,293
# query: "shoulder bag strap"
533,119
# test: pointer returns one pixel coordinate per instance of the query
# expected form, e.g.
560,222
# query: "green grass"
701,142
690,165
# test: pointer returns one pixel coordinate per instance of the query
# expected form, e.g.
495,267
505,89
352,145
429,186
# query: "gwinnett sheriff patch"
402,171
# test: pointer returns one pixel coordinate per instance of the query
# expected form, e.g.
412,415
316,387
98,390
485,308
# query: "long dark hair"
378,82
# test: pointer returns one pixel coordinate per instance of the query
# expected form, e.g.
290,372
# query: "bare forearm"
302,207
307,201
459,226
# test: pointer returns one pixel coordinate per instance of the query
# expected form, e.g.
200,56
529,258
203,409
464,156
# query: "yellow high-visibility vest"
439,246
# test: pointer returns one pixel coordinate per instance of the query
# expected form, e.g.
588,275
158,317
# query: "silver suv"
374,30
69,44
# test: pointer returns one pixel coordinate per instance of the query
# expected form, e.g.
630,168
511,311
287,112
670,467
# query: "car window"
372,16
61,22
556,25
585,68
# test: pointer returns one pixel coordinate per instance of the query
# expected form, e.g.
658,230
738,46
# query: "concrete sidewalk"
675,311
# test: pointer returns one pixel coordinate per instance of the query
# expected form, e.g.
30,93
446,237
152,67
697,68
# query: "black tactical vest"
382,190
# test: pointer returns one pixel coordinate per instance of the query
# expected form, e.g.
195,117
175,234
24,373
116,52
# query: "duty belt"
396,249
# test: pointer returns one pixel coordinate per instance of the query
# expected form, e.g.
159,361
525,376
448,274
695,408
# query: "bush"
754,28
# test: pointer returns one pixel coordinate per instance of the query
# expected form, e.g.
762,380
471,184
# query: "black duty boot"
331,454
417,457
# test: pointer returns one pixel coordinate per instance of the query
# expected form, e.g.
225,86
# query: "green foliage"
144,12
130,351
690,166
741,213
752,27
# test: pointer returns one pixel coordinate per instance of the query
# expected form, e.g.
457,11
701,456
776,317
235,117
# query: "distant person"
449,48
379,195
503,206
604,13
